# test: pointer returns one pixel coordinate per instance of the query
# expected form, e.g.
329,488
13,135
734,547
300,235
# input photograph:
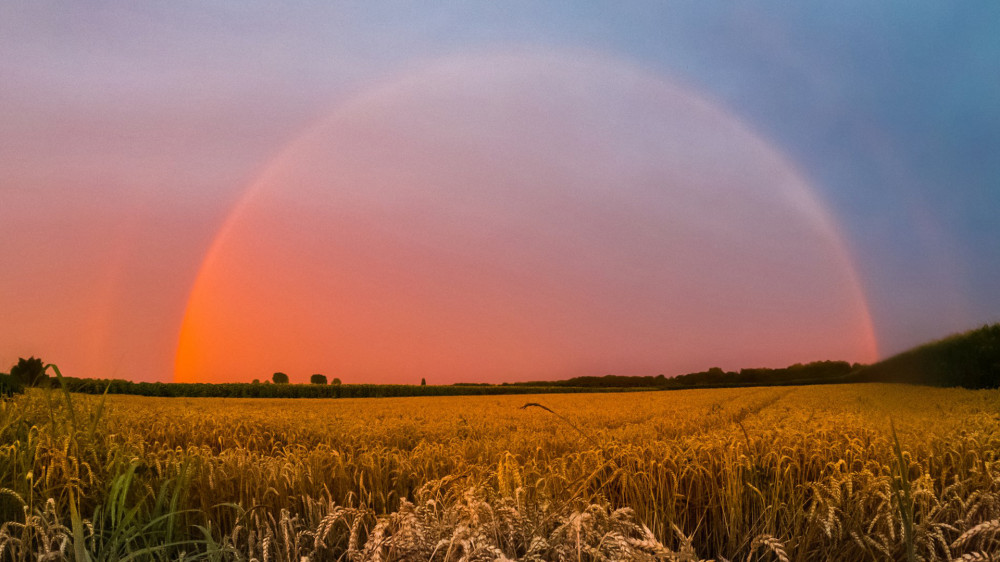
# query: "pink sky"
491,191
484,218
520,217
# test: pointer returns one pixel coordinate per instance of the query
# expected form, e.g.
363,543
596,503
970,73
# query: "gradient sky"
492,191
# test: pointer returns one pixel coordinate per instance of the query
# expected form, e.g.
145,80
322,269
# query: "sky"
492,191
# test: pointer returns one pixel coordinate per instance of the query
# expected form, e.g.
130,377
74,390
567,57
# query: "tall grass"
800,473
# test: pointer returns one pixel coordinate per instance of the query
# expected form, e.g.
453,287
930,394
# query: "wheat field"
839,472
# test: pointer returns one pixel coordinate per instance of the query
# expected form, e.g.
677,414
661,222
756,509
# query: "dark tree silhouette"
335,381
317,379
9,385
279,378
423,382
29,372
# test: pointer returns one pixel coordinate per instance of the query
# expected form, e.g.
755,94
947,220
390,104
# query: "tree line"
286,390
816,372
31,373
971,360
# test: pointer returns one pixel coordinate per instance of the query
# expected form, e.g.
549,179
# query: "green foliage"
9,385
279,378
29,372
818,372
317,379
970,360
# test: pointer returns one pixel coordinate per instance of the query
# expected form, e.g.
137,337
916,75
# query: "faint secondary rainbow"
801,193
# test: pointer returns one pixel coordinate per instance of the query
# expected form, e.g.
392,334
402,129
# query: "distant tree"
423,382
279,378
335,381
256,381
9,385
318,379
29,372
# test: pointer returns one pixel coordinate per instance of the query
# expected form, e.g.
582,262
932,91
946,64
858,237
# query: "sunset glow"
492,191
518,280
519,217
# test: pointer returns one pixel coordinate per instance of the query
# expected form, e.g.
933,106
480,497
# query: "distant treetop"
29,372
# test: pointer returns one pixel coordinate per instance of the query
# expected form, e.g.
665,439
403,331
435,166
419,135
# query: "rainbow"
447,73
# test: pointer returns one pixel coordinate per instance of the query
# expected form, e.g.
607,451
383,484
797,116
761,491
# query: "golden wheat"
789,473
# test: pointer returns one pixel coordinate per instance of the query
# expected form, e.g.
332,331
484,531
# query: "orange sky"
589,219
492,191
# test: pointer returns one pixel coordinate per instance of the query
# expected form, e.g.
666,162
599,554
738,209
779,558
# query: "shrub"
317,379
9,385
